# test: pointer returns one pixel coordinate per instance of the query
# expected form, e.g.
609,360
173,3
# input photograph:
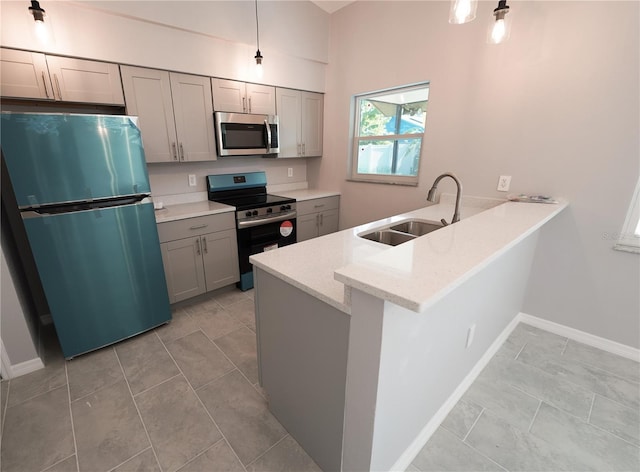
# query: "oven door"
260,238
239,134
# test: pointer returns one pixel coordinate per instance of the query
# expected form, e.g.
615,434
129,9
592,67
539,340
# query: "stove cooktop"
247,202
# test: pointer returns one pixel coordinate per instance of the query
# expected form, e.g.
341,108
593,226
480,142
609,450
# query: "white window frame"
629,238
355,129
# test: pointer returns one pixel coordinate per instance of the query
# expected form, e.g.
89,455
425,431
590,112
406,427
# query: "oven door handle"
264,221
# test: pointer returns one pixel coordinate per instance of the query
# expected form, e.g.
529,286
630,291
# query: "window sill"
627,248
371,181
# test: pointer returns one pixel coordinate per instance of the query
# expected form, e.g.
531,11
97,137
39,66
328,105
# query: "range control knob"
247,214
288,207
269,210
283,208
255,213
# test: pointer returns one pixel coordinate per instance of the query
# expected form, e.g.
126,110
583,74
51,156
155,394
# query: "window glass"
389,129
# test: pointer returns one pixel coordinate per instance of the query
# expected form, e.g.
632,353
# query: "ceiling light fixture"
258,56
462,11
36,10
500,27
38,13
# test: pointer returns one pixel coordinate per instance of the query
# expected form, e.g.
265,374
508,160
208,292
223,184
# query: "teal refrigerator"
83,192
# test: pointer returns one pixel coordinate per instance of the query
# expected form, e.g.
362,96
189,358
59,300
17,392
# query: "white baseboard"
418,443
581,336
26,367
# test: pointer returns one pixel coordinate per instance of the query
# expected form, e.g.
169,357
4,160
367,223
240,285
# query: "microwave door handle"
268,129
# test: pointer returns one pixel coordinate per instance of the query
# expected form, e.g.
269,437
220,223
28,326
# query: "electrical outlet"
192,180
470,334
503,183
289,171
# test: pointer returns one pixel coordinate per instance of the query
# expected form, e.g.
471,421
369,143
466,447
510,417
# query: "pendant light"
38,17
258,56
500,26
462,11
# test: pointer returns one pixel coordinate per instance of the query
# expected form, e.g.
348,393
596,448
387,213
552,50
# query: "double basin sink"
402,232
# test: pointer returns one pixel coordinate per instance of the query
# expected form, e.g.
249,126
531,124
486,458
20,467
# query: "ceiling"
331,5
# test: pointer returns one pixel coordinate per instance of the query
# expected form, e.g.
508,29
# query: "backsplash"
173,179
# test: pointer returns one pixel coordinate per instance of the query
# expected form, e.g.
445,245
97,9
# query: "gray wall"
557,107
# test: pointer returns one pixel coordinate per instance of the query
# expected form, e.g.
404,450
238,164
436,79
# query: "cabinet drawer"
318,204
179,229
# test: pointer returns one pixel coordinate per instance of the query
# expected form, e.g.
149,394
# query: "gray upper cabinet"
301,117
175,114
43,77
241,97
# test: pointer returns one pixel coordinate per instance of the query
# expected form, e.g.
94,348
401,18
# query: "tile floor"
543,403
185,397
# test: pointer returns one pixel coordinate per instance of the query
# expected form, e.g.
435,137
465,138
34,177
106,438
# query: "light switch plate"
192,180
503,183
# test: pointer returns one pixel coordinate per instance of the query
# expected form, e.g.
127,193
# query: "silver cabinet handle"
204,243
304,149
198,227
321,219
244,104
55,77
318,220
249,104
175,152
44,81
181,152
299,149
318,206
198,246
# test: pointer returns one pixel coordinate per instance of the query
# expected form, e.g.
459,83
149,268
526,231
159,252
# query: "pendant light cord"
257,30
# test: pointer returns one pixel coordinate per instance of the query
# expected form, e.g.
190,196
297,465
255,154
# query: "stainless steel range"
263,221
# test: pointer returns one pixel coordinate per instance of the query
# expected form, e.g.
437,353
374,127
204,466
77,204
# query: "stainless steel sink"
417,227
402,232
386,236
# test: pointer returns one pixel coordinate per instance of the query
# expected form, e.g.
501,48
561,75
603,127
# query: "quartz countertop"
306,194
190,210
414,274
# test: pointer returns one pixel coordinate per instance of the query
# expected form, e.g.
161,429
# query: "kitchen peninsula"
364,347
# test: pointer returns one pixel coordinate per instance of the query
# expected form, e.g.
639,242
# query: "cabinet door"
288,109
307,226
261,99
193,113
312,123
182,260
220,255
328,222
229,95
24,75
78,80
148,95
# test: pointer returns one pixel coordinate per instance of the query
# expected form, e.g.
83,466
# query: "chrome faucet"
431,196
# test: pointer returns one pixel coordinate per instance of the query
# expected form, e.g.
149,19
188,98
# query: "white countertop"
181,211
190,210
306,194
414,274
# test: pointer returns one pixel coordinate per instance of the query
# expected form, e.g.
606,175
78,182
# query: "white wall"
17,337
556,107
207,38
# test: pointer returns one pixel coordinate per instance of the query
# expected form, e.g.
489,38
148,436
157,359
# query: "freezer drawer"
102,274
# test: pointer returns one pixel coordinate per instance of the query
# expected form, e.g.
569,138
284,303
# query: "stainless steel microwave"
241,134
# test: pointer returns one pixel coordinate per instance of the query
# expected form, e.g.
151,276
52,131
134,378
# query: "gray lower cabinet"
199,255
317,217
